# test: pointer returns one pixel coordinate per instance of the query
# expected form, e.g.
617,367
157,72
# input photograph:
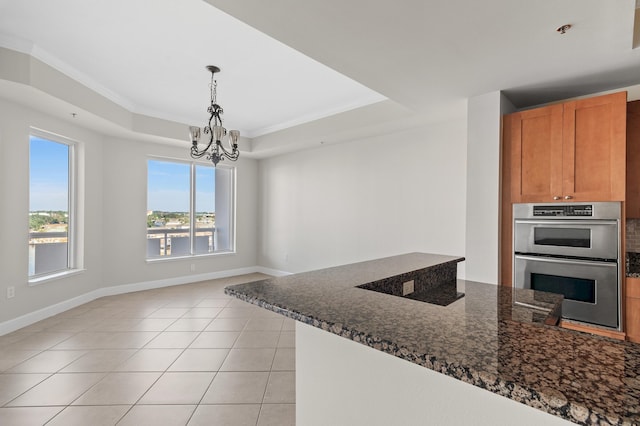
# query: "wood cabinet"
536,154
633,160
574,151
632,309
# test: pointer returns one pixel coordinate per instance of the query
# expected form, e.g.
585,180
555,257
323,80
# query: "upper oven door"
581,238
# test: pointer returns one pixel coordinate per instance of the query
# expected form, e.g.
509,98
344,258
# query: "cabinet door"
632,309
536,156
633,159
594,148
633,320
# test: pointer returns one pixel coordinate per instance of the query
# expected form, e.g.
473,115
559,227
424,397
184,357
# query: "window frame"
192,206
74,257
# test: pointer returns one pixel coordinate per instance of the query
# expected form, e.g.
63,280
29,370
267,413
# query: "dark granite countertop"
483,338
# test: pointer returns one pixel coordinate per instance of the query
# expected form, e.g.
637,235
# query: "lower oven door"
590,288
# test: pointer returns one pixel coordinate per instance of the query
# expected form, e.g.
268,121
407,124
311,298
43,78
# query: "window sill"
54,276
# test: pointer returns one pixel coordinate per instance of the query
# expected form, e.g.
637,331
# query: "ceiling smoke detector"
564,28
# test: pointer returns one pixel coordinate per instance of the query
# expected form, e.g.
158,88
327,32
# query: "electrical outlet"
11,292
193,267
408,287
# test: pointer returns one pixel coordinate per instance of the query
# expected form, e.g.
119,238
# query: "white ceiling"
422,53
149,55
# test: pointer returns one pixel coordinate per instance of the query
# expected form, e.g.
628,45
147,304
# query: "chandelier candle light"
214,150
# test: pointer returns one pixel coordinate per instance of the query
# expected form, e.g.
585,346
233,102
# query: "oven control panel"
581,210
596,210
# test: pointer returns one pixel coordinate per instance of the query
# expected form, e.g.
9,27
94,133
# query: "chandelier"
215,150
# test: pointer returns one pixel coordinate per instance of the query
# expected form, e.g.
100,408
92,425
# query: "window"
190,209
51,206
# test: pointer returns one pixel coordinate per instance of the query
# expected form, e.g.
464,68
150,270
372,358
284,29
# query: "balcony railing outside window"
168,242
48,252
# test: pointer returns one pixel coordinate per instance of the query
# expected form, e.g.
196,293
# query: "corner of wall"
483,185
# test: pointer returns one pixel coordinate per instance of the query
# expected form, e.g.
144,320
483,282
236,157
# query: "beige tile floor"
183,355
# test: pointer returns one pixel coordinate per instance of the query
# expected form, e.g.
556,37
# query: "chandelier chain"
213,87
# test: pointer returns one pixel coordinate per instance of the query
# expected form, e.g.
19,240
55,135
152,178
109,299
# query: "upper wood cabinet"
574,151
536,154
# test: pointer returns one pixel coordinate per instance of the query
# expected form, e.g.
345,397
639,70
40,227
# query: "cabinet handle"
556,198
568,197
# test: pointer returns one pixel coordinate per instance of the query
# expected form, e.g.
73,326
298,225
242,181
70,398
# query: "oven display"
581,210
562,237
577,289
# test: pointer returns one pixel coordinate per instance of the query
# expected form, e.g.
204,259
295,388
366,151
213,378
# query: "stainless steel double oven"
572,249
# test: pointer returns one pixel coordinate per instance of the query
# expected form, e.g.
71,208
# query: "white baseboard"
187,279
35,316
272,272
49,311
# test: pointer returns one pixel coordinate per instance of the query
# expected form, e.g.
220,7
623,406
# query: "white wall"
15,122
125,200
483,186
363,199
114,200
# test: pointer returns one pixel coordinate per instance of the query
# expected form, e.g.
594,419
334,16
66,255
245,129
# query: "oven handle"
566,222
567,261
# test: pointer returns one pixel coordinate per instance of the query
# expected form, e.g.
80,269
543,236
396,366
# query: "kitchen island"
492,340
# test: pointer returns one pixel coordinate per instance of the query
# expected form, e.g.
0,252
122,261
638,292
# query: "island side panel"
340,382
